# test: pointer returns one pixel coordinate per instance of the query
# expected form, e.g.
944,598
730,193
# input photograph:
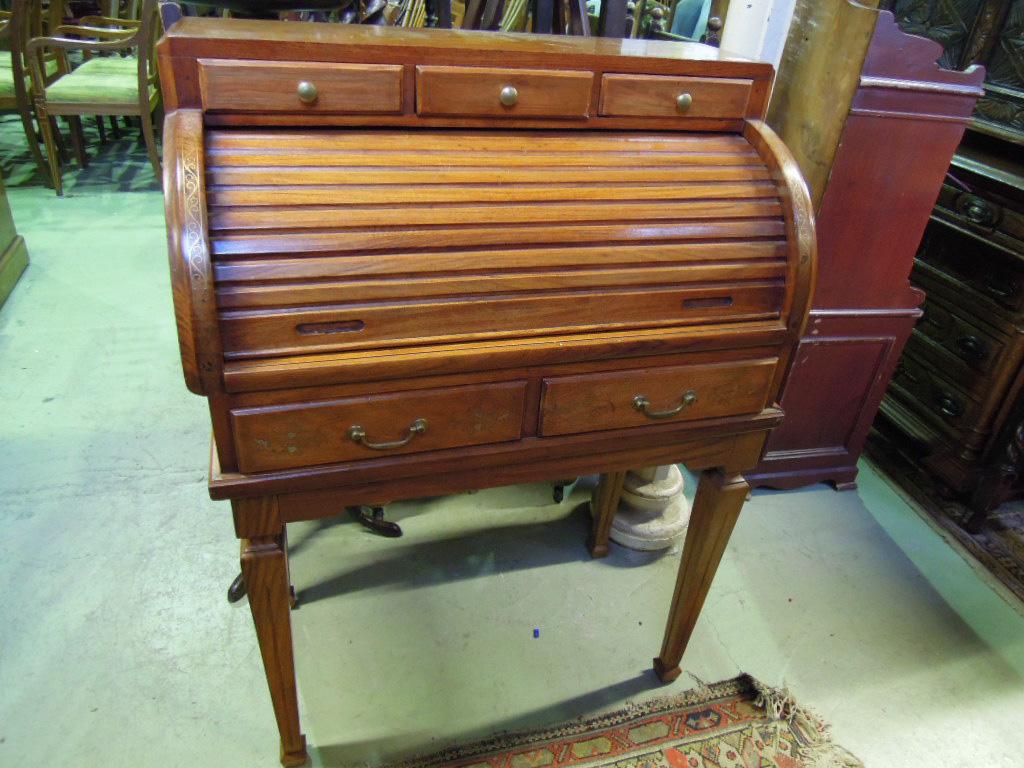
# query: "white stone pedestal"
653,513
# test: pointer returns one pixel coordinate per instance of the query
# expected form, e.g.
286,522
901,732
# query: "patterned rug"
737,723
998,546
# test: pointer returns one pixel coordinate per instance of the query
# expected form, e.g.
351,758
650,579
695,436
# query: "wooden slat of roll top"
240,295
311,158
226,177
322,216
502,142
326,267
267,333
425,238
341,195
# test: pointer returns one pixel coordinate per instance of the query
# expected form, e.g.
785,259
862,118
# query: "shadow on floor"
119,164
410,564
374,752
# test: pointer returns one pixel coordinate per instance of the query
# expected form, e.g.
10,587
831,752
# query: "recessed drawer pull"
509,96
307,92
358,435
643,405
340,326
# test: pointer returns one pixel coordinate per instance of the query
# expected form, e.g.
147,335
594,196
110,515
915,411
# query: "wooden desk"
410,263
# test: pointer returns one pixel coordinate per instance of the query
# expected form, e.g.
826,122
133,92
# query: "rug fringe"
818,750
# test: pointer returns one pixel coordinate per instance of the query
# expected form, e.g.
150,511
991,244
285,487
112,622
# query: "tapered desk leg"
603,508
265,569
715,509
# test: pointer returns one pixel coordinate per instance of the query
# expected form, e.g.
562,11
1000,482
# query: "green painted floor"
118,648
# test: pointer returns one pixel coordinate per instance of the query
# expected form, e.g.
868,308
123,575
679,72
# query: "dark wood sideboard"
904,124
409,263
954,407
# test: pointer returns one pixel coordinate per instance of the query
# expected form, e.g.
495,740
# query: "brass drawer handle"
358,435
307,92
683,102
643,405
509,96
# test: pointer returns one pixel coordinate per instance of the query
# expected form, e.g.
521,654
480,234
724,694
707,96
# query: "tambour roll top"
335,240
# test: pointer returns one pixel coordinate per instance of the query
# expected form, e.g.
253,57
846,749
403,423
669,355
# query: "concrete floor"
117,647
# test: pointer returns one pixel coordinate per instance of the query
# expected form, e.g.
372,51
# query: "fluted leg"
715,510
265,569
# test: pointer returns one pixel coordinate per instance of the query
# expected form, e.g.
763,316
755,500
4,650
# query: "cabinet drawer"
479,92
933,396
639,397
657,96
349,429
271,86
958,336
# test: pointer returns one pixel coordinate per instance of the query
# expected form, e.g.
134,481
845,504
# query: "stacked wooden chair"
118,77
15,86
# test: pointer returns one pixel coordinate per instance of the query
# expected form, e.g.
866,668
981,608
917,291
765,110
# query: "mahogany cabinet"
955,408
409,263
906,120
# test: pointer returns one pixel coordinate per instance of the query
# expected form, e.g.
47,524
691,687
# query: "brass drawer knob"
643,405
509,96
358,435
683,102
307,92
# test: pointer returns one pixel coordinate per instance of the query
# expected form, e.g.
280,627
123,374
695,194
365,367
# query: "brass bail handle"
643,405
307,92
358,435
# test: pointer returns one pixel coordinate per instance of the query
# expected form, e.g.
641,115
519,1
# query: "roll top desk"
409,263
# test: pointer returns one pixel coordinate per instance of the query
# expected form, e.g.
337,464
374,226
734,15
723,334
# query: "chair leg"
48,126
102,128
33,143
147,134
78,141
114,127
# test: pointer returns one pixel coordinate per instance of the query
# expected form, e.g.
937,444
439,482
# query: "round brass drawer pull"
358,435
307,92
509,96
643,405
683,102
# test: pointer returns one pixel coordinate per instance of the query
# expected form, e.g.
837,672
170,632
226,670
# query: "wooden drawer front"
473,91
992,276
656,96
966,341
306,434
260,333
270,86
933,396
979,212
593,402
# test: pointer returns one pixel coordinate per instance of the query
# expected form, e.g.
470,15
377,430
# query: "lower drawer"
349,429
638,397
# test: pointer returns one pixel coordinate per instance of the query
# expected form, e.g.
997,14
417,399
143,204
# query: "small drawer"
271,86
354,428
639,397
479,92
933,396
657,96
959,336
